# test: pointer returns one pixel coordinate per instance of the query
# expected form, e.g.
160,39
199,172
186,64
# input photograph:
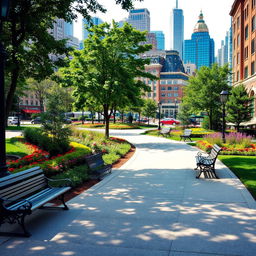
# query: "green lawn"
15,147
244,167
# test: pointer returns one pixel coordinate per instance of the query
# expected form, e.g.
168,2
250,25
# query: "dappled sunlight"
64,237
251,237
224,237
85,223
68,253
183,231
127,211
38,248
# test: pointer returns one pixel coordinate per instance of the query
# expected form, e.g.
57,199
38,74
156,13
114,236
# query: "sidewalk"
152,205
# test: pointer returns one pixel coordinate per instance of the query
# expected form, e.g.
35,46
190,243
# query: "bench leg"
63,202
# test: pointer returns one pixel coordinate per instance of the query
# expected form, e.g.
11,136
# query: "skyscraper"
68,28
140,19
94,20
177,29
200,48
160,39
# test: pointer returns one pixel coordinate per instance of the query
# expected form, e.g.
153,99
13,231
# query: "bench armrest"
26,205
61,182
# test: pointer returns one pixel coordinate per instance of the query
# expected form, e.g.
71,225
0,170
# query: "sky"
216,16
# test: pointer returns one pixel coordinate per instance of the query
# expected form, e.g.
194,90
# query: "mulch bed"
86,185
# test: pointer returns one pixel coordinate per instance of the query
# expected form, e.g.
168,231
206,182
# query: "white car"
12,120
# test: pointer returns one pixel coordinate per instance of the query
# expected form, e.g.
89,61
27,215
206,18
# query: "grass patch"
15,128
15,147
244,168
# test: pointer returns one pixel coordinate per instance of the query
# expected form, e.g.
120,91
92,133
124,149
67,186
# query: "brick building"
243,14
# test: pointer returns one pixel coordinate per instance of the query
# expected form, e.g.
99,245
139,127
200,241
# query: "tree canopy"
105,71
203,91
239,106
28,42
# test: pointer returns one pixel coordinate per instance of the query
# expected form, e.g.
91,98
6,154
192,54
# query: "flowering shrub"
59,163
214,138
229,149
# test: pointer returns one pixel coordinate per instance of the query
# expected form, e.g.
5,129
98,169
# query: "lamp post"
4,8
159,114
223,99
175,106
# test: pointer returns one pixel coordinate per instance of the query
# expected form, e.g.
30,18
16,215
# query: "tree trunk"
122,116
210,120
106,119
92,117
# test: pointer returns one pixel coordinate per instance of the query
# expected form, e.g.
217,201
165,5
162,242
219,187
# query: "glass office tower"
200,49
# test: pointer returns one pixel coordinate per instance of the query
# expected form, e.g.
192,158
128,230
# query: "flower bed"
56,164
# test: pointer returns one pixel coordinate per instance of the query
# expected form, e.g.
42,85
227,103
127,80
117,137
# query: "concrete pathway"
152,205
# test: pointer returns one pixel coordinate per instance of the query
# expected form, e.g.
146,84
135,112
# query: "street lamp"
159,114
4,9
223,100
175,106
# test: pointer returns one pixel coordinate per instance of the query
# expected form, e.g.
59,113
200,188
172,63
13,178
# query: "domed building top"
200,25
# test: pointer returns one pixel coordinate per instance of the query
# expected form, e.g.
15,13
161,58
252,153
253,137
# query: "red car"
169,121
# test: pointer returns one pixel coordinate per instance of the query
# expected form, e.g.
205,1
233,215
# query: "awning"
31,111
251,122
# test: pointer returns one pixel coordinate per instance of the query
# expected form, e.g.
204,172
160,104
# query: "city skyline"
160,13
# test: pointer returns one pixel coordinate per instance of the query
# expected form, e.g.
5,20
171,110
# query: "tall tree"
105,71
184,114
239,106
203,91
28,42
149,109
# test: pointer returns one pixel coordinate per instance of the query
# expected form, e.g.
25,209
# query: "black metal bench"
186,135
24,192
206,164
97,165
165,131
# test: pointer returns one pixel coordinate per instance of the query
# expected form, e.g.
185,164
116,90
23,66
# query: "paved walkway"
152,205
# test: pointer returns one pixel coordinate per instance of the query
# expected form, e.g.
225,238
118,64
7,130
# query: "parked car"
170,121
13,120
36,120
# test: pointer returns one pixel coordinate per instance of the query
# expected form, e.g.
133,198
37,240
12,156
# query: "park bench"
186,135
23,192
206,164
165,131
97,165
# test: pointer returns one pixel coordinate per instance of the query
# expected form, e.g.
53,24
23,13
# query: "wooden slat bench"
97,165
206,164
186,135
165,131
22,193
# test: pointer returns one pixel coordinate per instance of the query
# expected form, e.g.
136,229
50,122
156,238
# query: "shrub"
214,138
237,138
110,158
37,137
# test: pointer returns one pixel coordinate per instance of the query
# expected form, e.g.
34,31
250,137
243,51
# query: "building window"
149,94
237,58
246,52
253,3
162,88
237,76
253,23
238,22
162,82
234,60
245,72
163,94
169,94
176,88
234,27
246,12
175,94
252,68
246,32
253,46
234,44
169,88
26,102
238,40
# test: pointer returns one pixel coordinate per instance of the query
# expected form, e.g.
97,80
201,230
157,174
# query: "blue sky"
216,15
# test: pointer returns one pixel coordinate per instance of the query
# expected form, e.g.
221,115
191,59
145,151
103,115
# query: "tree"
203,92
28,42
149,109
40,89
184,114
239,106
105,71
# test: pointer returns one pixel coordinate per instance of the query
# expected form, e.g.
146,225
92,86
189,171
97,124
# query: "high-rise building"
200,48
160,39
140,19
168,90
177,29
223,56
68,28
94,21
243,15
